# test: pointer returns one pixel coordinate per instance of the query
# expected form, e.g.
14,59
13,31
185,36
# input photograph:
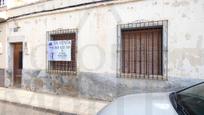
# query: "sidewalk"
53,102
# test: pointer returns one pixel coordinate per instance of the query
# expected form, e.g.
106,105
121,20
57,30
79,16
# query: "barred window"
64,66
142,52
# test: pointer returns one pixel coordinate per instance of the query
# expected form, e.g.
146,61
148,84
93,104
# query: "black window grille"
2,3
142,50
64,67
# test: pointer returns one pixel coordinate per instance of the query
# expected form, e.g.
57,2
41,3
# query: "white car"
189,101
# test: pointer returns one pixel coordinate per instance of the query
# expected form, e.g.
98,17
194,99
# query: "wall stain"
154,3
200,42
180,3
61,3
36,21
42,6
193,55
184,15
45,22
203,6
26,22
186,61
53,6
188,36
166,3
195,1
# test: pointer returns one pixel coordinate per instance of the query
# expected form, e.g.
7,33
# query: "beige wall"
97,27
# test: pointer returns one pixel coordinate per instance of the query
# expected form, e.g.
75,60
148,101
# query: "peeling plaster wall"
97,33
97,40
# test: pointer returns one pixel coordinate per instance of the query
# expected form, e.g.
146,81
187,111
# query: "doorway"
17,64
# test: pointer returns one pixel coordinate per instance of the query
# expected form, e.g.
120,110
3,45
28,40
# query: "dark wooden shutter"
142,51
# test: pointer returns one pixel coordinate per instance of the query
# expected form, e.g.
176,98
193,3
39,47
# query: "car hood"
140,104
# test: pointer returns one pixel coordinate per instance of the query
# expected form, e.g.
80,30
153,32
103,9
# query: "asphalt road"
17,109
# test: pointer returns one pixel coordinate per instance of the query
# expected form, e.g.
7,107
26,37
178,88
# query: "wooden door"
18,64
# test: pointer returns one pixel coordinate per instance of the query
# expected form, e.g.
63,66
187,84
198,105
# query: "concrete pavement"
7,108
52,102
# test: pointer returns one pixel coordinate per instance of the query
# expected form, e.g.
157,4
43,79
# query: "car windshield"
192,99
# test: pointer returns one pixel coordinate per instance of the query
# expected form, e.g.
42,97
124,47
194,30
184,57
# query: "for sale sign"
59,50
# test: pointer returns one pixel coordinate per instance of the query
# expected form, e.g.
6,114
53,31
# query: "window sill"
142,76
60,72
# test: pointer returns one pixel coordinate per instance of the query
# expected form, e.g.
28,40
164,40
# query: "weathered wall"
2,53
2,77
17,3
97,28
41,81
98,86
97,40
3,45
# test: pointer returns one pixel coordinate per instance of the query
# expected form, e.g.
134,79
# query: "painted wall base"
96,86
2,72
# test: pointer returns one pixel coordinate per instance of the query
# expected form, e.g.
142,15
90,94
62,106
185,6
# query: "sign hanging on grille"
59,50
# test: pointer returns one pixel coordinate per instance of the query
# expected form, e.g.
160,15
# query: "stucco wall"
97,40
2,53
16,3
97,34
3,43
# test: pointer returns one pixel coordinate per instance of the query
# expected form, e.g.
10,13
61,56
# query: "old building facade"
118,47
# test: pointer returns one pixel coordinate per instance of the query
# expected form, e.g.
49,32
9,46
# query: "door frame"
12,58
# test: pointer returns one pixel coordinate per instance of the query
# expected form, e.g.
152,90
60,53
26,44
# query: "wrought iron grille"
2,3
64,67
142,50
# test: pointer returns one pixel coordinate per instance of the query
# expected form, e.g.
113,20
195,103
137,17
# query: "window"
2,3
142,51
64,66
